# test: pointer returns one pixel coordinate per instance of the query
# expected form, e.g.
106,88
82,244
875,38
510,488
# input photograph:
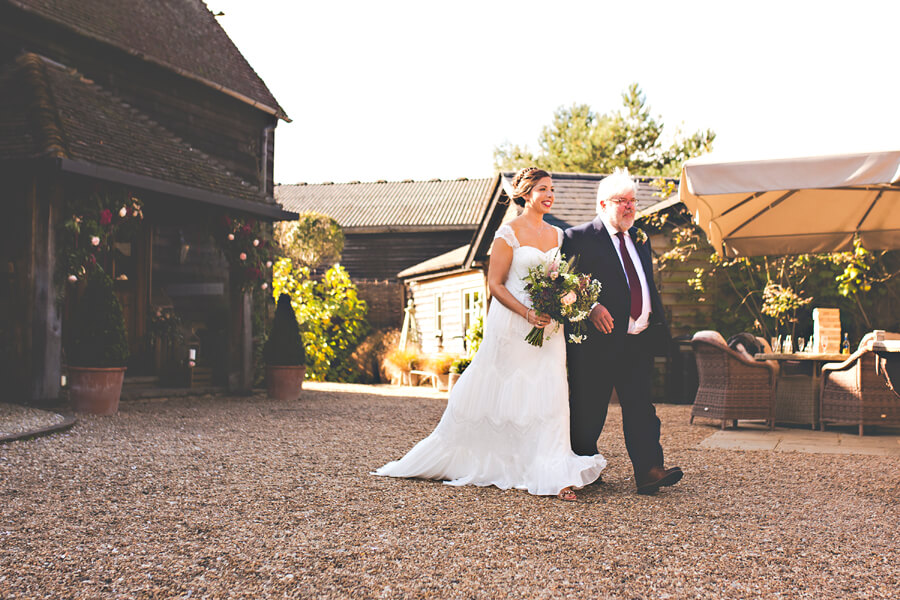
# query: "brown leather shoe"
658,477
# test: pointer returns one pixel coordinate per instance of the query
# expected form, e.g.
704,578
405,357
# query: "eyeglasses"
621,200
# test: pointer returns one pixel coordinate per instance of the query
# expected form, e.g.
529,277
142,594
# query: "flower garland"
248,248
92,227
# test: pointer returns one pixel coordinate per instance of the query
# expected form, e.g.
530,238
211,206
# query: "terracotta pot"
451,381
284,383
95,390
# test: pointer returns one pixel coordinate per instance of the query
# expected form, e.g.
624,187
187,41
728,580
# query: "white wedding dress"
507,420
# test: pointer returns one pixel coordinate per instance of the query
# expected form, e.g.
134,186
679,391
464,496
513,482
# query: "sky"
422,89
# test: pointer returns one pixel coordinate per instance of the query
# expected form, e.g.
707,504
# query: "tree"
311,241
580,140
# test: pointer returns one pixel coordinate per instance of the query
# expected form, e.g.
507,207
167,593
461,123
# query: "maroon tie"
634,284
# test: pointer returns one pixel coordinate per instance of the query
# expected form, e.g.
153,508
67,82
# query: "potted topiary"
284,354
98,348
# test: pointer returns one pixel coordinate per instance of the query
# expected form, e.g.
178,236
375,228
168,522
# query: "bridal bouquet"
558,291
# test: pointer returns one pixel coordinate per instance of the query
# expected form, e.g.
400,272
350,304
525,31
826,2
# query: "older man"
629,327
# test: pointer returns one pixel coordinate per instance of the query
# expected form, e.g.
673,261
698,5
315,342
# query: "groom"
629,328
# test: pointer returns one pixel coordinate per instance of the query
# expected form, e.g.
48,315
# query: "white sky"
419,89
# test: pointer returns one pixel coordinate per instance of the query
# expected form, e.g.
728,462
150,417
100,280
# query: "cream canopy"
795,205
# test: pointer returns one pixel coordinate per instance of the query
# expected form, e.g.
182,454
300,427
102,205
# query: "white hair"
617,184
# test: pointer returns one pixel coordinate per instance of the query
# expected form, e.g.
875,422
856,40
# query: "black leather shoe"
658,477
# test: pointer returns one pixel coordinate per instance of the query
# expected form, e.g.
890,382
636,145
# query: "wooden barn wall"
451,290
684,313
219,125
383,255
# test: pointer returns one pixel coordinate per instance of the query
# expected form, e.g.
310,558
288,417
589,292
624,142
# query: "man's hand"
601,319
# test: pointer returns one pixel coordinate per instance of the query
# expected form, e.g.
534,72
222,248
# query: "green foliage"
771,295
98,338
312,240
165,327
581,140
284,346
331,315
474,335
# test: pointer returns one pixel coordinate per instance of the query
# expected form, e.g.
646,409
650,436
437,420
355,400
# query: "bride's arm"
498,270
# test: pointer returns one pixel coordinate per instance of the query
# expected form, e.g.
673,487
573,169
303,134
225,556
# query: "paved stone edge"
68,421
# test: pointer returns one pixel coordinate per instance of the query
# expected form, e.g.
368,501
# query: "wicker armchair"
853,393
732,387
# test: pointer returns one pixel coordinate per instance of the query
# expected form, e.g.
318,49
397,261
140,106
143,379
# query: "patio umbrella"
795,205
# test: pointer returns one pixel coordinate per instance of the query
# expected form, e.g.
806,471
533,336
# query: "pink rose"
230,237
105,217
264,285
255,243
95,241
72,278
123,212
554,274
569,298
243,256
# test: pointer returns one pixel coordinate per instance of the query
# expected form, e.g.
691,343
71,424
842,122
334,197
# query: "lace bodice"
524,257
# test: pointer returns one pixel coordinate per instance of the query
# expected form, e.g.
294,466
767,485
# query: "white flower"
95,241
230,237
264,285
580,316
72,278
123,211
255,243
269,264
122,277
576,339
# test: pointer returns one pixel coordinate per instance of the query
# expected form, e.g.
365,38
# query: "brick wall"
386,300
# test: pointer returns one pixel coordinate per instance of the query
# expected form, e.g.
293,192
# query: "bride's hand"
537,319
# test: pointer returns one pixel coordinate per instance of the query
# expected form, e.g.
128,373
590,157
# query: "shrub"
284,346
438,363
98,337
405,360
332,317
460,364
366,360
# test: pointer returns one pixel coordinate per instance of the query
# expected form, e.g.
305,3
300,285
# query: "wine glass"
801,344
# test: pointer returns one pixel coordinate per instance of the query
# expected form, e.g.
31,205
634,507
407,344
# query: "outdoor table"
797,396
888,363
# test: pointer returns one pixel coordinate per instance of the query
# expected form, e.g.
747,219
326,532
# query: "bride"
507,420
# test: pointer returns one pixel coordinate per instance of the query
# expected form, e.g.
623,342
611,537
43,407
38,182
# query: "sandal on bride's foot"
567,495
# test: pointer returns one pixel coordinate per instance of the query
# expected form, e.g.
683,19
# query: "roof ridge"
147,121
43,111
458,180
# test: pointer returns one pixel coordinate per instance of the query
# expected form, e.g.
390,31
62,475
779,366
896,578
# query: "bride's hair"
524,181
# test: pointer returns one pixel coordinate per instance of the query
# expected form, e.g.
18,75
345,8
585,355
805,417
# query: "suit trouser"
627,367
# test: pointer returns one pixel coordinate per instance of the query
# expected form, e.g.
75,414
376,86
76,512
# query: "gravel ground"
228,497
16,420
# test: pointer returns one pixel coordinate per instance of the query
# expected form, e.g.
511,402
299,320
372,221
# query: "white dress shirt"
638,325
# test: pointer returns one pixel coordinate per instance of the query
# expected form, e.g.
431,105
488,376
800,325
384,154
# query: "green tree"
312,240
331,316
581,140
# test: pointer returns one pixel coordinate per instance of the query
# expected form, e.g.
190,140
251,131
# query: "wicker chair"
853,393
732,387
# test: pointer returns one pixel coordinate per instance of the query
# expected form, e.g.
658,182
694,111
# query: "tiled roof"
406,204
182,35
47,110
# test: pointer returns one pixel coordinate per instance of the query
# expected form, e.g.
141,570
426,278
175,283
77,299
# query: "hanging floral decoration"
247,246
90,229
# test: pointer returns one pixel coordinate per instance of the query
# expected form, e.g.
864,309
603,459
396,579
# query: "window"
471,308
438,315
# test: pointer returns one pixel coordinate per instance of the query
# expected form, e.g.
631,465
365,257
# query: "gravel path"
227,497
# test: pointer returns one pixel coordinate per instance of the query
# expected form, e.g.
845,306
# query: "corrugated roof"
406,204
453,259
47,110
182,35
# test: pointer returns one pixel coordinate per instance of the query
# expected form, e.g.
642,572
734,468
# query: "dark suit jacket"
595,254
